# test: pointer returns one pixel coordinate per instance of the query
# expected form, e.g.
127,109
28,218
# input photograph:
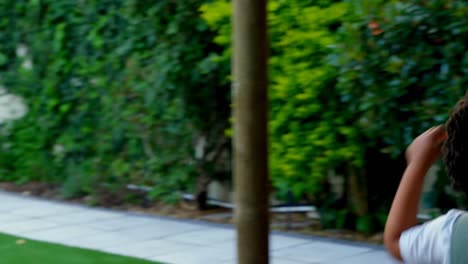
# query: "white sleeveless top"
429,243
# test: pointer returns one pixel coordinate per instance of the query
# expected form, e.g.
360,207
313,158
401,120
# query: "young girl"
445,239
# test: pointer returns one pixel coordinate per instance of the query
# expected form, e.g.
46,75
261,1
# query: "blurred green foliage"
352,83
402,67
118,92
126,91
304,123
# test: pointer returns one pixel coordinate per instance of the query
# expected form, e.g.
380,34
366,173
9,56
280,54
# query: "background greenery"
137,92
119,92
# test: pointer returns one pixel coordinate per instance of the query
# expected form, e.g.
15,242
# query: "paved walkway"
163,239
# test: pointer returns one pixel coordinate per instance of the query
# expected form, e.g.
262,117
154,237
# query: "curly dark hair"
455,149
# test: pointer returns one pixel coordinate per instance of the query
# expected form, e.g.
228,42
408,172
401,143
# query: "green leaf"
3,59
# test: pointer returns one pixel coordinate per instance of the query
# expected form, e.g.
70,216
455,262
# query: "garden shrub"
351,85
304,124
137,92
118,92
402,66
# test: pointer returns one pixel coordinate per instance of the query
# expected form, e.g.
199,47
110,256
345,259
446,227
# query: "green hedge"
402,66
352,83
304,124
124,91
118,93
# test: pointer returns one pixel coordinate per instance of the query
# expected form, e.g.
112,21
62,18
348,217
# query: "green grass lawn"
14,250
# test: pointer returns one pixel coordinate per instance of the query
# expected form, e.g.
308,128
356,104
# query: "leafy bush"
118,92
138,91
304,125
351,85
402,66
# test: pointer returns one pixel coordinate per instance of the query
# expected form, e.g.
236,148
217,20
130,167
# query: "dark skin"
420,155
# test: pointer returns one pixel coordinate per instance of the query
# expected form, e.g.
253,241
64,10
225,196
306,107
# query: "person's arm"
420,155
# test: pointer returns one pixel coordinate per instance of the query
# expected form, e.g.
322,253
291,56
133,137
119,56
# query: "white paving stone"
161,239
377,256
230,247
44,209
11,218
62,234
85,216
320,252
198,255
152,249
22,227
103,240
206,236
160,229
278,241
275,260
120,223
286,261
8,205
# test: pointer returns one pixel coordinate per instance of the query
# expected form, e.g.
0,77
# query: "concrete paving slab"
152,249
104,240
120,223
205,236
376,256
11,218
280,242
285,261
320,252
6,206
84,215
163,239
160,229
229,248
272,261
198,255
45,209
62,234
22,227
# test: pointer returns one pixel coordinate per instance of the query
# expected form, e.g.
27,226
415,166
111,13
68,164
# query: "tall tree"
250,130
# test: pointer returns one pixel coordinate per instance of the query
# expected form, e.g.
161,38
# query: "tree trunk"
357,192
202,191
250,130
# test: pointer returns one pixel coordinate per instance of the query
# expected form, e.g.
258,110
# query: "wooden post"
250,130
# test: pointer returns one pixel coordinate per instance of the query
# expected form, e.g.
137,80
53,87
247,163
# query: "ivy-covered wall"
352,83
137,92
118,92
303,124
